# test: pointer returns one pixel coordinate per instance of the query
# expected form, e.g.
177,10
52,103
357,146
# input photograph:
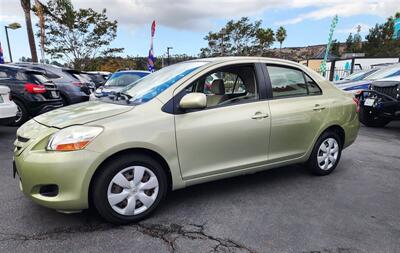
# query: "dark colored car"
31,91
98,77
120,80
381,103
73,89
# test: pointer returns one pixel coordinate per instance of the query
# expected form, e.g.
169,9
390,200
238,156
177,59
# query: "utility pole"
168,48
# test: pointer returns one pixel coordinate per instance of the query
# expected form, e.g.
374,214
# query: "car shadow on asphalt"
220,189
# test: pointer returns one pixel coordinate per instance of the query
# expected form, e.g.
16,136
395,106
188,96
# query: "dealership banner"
151,59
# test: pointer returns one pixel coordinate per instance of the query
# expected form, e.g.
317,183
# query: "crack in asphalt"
167,233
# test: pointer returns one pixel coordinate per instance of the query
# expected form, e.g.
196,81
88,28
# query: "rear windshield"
41,78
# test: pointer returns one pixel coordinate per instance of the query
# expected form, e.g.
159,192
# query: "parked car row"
378,92
37,88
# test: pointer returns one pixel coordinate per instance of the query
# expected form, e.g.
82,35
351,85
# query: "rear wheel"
22,114
64,100
129,188
370,119
326,154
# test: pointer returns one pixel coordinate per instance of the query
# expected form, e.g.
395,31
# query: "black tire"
312,163
64,100
369,118
24,115
106,174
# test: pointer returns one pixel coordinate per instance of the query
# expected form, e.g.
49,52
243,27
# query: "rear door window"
290,82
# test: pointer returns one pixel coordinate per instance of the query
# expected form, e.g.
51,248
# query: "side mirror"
195,100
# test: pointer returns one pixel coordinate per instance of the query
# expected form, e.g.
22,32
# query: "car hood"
82,113
354,85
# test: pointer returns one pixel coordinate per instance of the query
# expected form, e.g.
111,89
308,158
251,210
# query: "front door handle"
318,107
259,115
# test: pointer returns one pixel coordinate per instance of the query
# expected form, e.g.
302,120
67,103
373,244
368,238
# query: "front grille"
390,91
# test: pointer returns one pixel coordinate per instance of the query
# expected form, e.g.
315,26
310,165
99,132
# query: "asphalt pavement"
355,209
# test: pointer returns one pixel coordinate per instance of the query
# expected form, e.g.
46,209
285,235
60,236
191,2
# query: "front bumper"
384,105
7,121
69,171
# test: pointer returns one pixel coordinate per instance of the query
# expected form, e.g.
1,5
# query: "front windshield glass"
356,75
150,86
385,72
122,79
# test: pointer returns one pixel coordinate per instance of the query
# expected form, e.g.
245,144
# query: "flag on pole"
151,59
1,55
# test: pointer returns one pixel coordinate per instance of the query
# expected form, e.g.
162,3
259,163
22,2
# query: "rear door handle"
259,115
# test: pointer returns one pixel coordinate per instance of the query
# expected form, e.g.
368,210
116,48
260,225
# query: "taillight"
9,96
77,84
357,103
35,88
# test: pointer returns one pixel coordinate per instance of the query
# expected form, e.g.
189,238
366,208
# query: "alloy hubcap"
19,114
327,154
133,190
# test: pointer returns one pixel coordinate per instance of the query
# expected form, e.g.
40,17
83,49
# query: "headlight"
73,138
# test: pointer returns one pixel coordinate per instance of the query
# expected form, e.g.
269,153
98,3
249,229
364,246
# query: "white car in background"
8,109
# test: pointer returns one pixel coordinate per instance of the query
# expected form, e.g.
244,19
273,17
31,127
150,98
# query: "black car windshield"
150,86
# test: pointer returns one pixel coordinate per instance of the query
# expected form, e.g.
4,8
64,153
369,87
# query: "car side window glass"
313,88
3,75
21,76
287,82
227,86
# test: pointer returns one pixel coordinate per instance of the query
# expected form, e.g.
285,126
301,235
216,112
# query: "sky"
182,24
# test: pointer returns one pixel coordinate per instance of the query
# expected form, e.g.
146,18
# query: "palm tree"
280,36
265,37
26,6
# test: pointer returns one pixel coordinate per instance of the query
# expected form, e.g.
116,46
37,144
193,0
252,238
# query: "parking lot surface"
355,209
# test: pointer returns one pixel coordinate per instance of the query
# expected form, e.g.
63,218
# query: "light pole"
12,26
168,48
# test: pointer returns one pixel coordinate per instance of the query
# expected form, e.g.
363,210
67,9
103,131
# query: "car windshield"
360,75
122,79
150,86
385,72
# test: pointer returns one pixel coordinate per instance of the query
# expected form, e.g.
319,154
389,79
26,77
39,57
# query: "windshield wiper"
116,96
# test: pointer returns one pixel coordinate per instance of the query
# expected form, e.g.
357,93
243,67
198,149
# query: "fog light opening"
50,190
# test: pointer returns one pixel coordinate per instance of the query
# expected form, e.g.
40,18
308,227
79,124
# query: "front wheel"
129,188
326,154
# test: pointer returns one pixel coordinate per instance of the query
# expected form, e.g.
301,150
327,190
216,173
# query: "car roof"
390,79
20,68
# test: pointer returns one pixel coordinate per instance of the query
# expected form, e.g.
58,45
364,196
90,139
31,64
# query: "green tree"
26,6
350,44
335,48
235,38
380,42
281,36
77,35
265,38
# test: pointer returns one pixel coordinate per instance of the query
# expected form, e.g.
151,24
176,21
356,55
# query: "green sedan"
188,123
